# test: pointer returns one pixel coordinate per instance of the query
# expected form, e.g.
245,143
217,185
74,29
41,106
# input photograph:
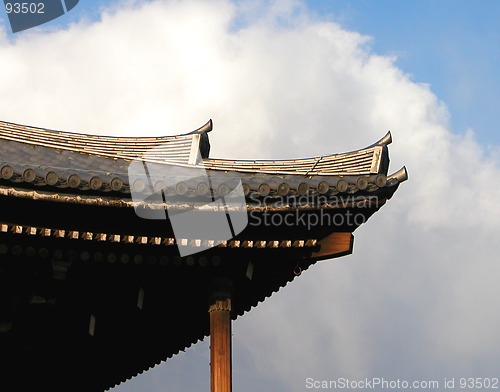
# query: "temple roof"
58,162
91,293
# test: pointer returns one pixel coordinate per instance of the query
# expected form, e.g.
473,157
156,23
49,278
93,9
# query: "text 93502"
24,8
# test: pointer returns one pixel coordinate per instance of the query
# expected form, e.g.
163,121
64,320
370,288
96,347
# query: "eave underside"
63,265
87,316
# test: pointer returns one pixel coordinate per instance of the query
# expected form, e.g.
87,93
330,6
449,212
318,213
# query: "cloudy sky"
419,298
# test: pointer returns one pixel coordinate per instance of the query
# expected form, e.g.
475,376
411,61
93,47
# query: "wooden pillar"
220,343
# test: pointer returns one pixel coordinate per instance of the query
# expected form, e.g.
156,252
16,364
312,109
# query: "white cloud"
419,297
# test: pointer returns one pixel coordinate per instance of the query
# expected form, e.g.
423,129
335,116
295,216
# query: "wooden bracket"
334,245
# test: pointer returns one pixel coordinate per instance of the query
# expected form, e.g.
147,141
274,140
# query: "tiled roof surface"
173,149
362,162
37,158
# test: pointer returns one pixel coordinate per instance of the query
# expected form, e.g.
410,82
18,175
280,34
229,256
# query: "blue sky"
452,45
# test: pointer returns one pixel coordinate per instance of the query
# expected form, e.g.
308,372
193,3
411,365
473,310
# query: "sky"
451,45
418,299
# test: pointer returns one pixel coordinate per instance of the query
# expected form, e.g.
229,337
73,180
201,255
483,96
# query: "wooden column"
220,345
